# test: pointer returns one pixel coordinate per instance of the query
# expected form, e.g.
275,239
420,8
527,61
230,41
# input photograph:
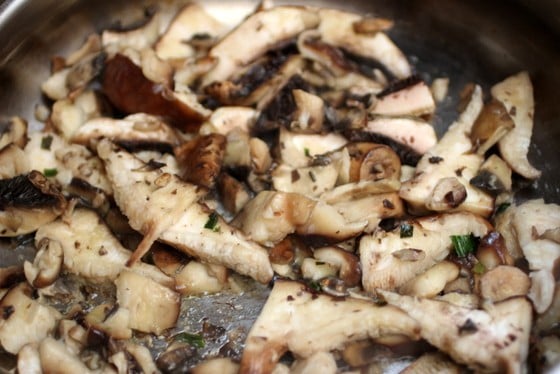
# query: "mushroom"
46,266
370,161
450,158
233,52
224,365
161,206
140,127
296,150
24,320
27,202
494,176
13,130
347,263
320,362
237,155
128,89
337,28
261,160
199,279
309,114
447,194
201,158
432,362
233,193
110,320
420,136
92,44
542,289
136,38
313,48
55,86
226,118
310,181
362,189
28,359
491,125
384,267
408,97
503,282
190,22
431,282
272,215
57,358
492,251
13,162
496,339
152,307
283,325
516,94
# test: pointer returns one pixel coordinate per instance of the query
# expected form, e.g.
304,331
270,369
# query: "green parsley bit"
479,268
463,244
502,208
314,285
46,142
50,172
306,152
195,340
407,230
212,223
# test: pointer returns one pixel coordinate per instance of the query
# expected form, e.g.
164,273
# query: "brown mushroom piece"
337,28
503,282
189,22
450,158
491,125
496,339
109,320
384,264
283,325
13,130
27,202
347,263
431,282
313,48
224,365
516,94
201,158
370,161
24,319
233,52
163,207
128,89
492,251
494,176
408,97
233,193
310,181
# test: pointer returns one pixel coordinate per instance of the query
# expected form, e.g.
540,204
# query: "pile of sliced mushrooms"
183,159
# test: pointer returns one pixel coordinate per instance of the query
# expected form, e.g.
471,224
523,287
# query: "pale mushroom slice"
416,134
441,181
516,94
285,325
191,21
268,28
227,118
28,359
56,357
408,97
25,320
27,202
163,207
135,128
495,339
432,362
13,161
392,258
310,181
137,38
337,28
13,130
297,150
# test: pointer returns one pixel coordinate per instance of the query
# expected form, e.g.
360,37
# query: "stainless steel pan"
468,41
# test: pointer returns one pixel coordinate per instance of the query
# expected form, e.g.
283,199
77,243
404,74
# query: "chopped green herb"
463,244
502,208
306,152
314,285
479,268
46,142
212,223
407,230
195,340
50,172
312,176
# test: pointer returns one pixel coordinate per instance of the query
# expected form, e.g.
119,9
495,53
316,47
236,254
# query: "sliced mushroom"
358,190
28,202
347,263
439,88
233,193
110,320
57,358
271,215
92,44
413,99
24,320
233,52
494,176
492,251
162,206
13,130
191,21
337,28
309,114
504,282
152,307
128,89
28,359
370,161
13,161
143,357
311,47
283,325
223,365
451,158
491,125
322,362
542,288
225,119
237,155
447,194
55,86
136,38
433,363
310,181
496,339
414,133
383,269
199,279
46,266
296,150
201,159
516,94
432,281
